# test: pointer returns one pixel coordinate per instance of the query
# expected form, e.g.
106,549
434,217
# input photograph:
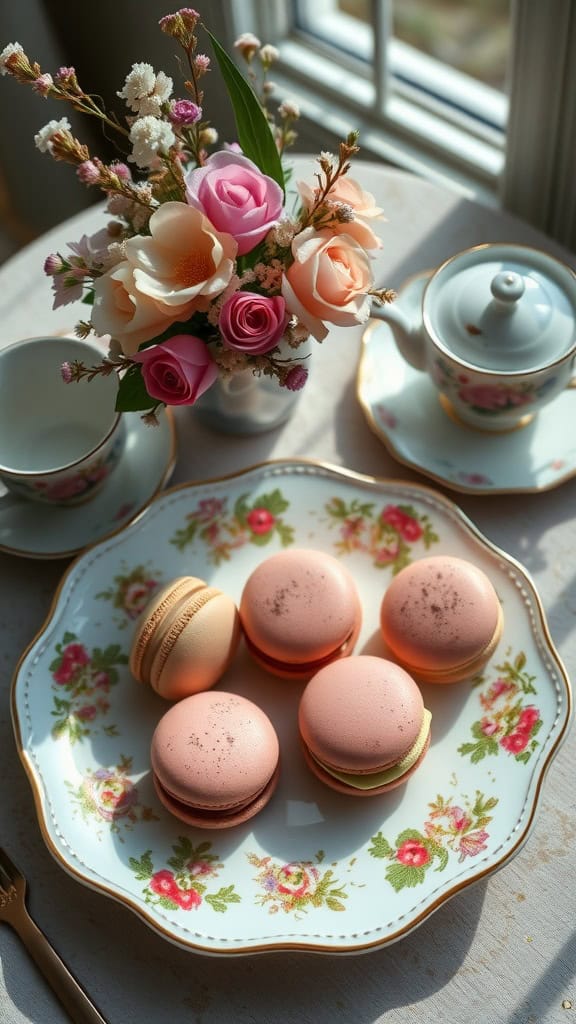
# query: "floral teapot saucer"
495,329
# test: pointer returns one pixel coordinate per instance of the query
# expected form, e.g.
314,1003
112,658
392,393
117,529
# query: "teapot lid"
502,308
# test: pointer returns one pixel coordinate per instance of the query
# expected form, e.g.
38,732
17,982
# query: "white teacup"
59,441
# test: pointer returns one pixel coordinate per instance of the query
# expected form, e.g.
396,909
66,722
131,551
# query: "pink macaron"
441,619
300,610
185,638
363,725
215,759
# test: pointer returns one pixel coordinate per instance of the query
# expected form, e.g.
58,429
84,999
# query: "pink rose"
253,323
236,198
178,371
411,529
329,280
516,742
260,520
528,718
413,854
394,517
187,898
163,883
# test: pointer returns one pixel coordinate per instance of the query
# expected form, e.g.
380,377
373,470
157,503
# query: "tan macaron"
185,638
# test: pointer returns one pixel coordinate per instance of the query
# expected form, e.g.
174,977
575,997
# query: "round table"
504,949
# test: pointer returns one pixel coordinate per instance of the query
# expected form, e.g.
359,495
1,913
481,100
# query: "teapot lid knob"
507,287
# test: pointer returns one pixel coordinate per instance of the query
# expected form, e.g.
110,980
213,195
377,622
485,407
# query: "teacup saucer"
403,408
33,530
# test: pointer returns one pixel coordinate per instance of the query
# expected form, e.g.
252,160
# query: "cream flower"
7,52
184,262
145,91
150,137
44,137
121,311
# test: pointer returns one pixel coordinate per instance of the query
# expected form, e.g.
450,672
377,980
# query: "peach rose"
328,281
184,262
121,310
347,191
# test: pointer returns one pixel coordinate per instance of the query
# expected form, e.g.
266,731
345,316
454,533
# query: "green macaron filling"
373,780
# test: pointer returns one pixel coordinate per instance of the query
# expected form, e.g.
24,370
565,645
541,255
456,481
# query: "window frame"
540,124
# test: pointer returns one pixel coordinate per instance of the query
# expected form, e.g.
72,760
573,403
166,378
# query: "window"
424,98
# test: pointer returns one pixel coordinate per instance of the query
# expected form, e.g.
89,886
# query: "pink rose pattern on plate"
447,827
131,591
508,722
255,522
297,886
184,884
108,795
81,682
386,534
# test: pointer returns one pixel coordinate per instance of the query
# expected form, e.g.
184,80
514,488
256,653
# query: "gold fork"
14,912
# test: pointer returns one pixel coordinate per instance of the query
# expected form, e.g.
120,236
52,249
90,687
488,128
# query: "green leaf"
144,867
254,134
403,876
333,904
380,847
219,900
132,395
285,533
273,502
408,834
241,509
261,539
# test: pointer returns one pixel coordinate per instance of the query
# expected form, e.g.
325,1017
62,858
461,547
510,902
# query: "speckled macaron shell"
361,716
300,609
215,759
185,638
441,619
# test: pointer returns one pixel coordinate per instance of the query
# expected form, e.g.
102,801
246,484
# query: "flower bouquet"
203,270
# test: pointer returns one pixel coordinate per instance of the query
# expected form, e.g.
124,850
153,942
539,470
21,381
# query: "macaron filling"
308,667
383,776
217,812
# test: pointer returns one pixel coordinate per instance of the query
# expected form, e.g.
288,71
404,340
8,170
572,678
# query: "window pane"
472,36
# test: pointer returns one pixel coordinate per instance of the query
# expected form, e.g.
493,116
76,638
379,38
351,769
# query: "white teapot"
495,329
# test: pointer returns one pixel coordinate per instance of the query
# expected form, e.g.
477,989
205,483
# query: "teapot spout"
408,336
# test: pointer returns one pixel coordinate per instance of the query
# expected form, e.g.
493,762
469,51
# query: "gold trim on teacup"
359,943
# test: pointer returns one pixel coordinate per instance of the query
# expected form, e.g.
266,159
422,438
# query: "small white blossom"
116,254
289,108
144,91
209,136
269,54
247,44
46,134
150,137
6,53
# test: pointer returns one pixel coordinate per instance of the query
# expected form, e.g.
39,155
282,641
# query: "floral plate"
35,530
315,870
401,405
